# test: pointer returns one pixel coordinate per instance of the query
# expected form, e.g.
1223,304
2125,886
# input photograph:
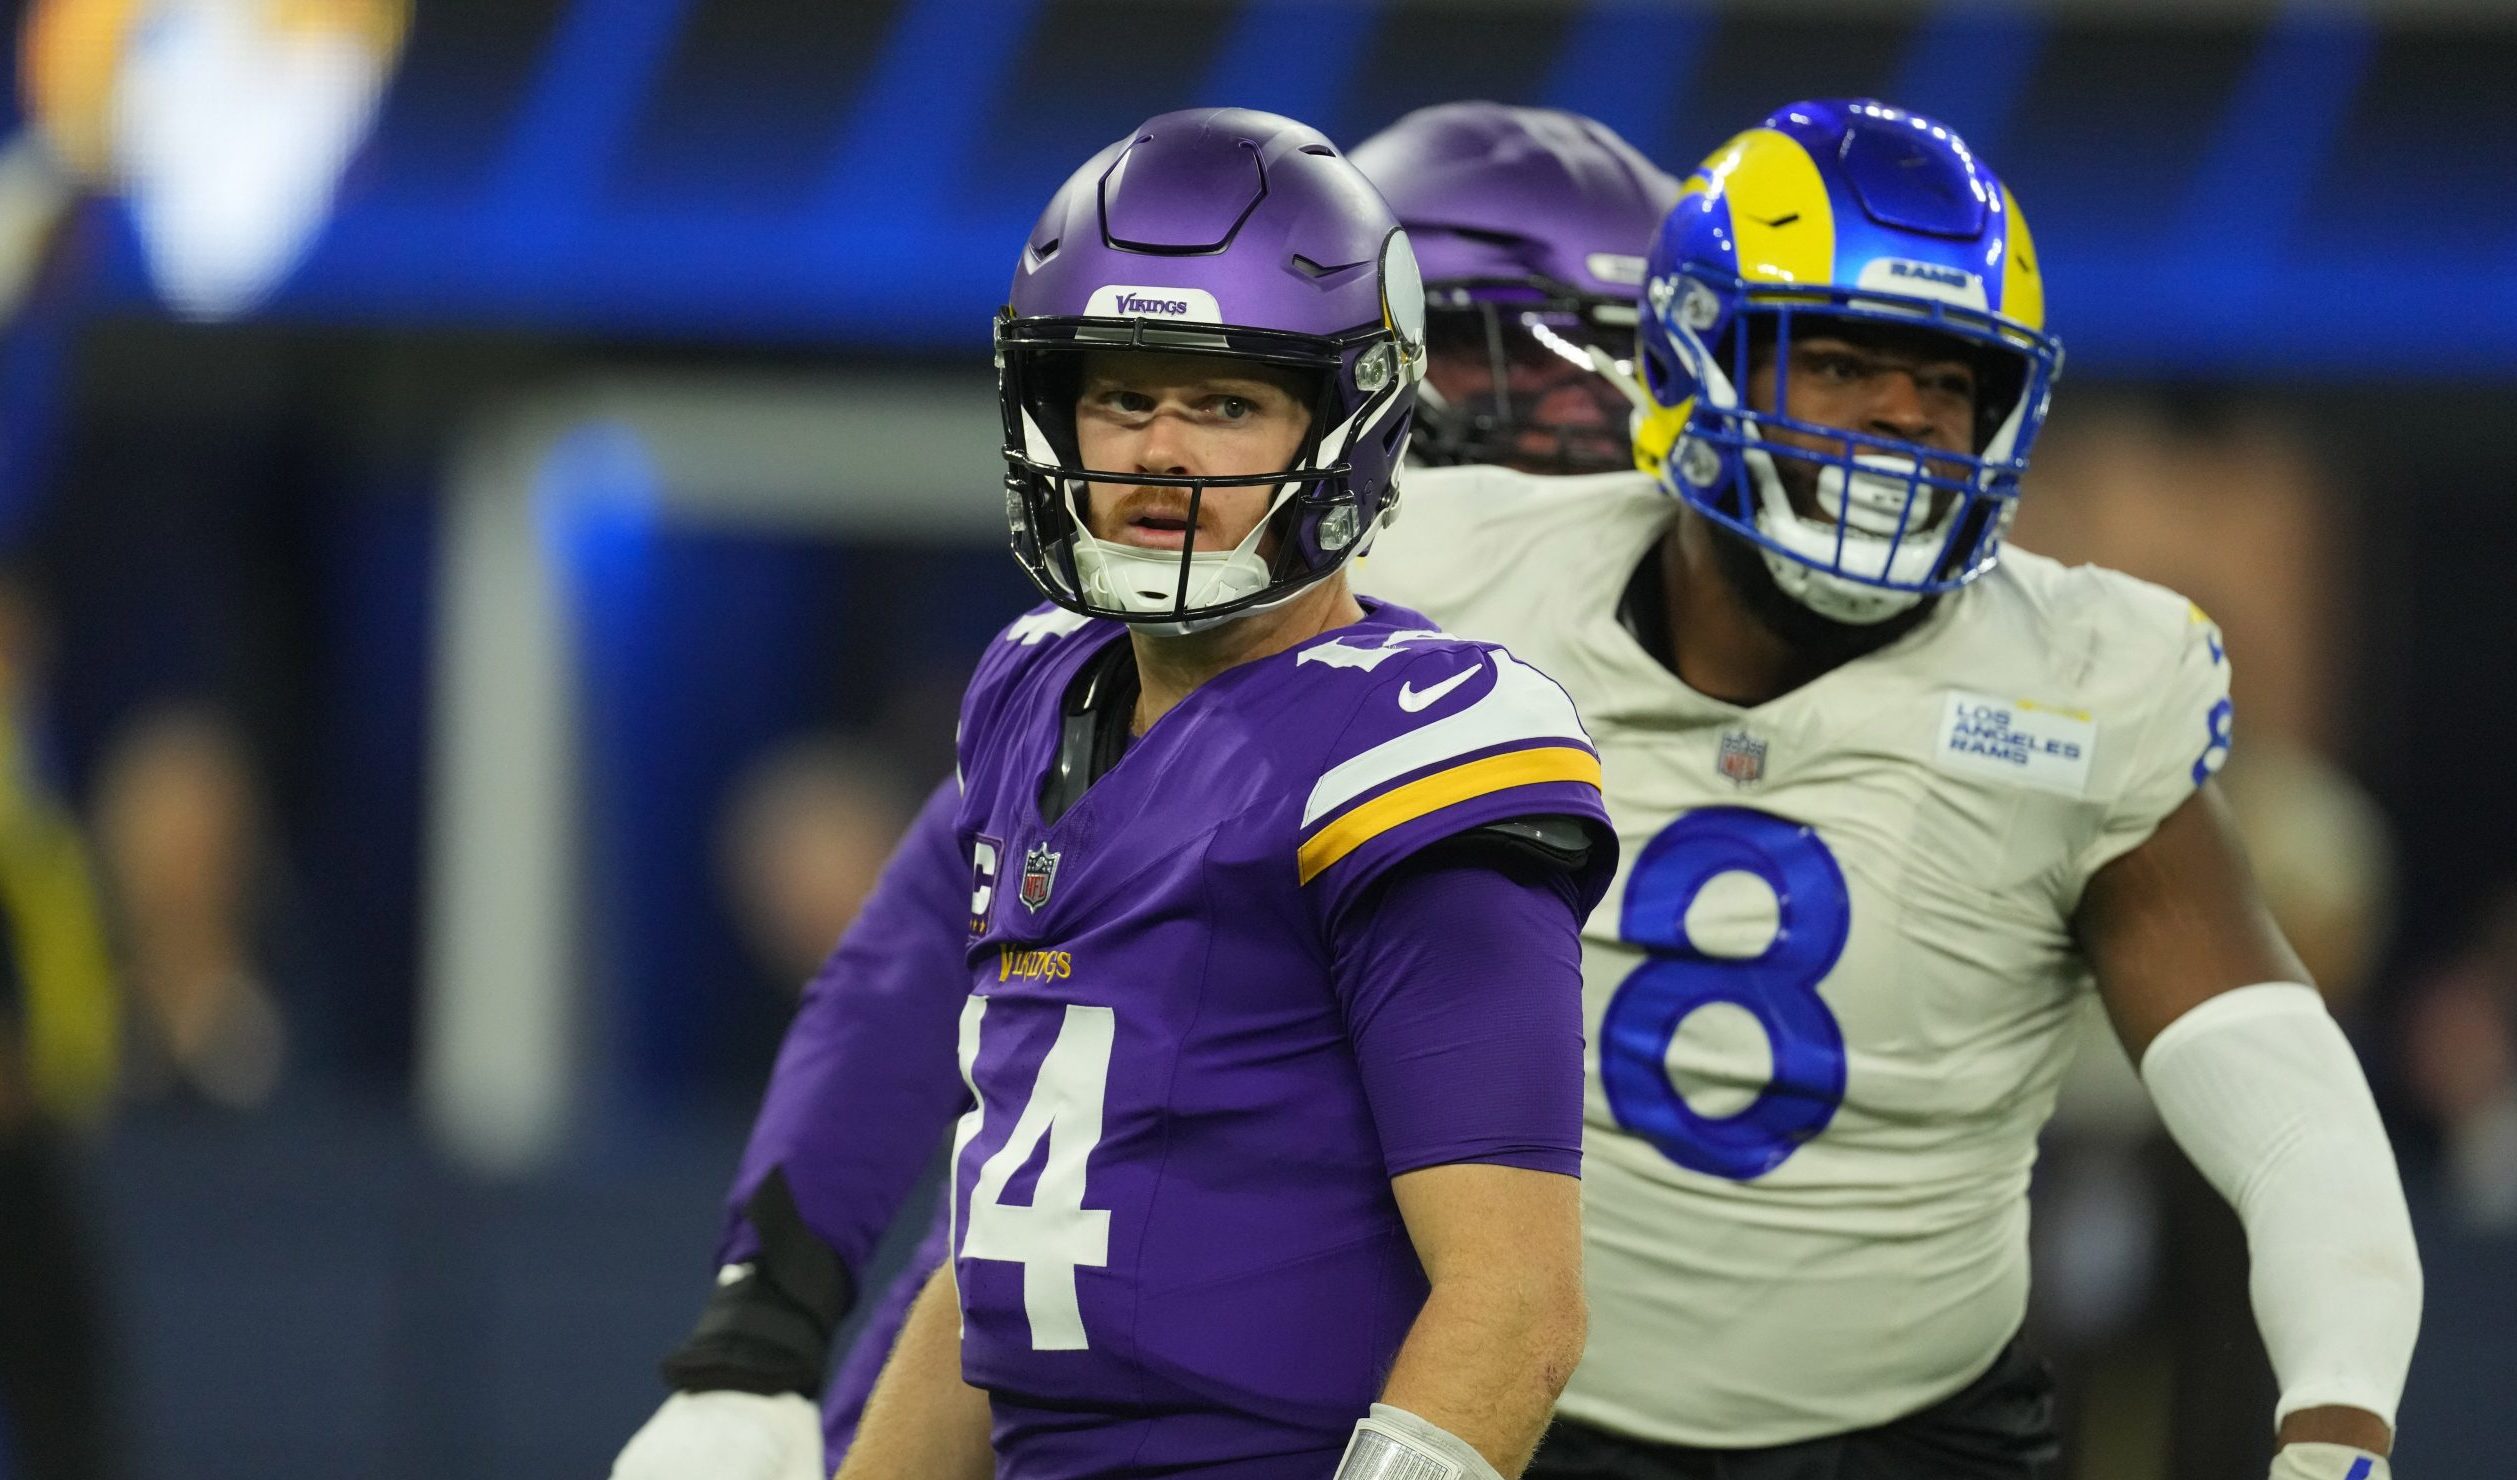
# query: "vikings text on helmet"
1236,234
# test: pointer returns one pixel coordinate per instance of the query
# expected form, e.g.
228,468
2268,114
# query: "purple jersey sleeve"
864,1086
1461,977
1452,736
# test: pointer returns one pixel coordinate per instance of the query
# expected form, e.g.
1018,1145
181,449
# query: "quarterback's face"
1906,387
1185,416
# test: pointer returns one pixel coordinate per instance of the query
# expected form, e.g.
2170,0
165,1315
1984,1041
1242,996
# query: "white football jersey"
1832,990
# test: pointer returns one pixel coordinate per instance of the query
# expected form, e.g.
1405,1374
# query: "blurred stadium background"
497,502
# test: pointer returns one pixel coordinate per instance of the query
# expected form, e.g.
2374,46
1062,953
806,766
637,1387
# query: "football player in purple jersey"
1528,222
1271,1038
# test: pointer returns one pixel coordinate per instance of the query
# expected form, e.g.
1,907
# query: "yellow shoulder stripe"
1441,789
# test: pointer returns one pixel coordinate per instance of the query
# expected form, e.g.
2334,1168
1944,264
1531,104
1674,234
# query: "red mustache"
1166,505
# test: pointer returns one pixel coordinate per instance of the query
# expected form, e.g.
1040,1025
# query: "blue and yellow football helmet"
1843,212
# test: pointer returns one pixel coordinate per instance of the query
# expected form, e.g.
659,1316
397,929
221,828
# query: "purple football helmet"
1236,234
1530,225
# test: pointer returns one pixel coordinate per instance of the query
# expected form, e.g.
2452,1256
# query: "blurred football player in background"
1295,1008
1530,224
1892,796
60,1006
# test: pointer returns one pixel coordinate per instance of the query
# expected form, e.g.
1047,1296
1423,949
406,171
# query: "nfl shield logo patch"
1039,874
1742,759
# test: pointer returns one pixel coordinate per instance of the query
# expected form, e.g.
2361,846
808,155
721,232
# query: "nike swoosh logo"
1415,700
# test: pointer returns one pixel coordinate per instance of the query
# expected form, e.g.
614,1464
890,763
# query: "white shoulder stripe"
1524,704
1029,628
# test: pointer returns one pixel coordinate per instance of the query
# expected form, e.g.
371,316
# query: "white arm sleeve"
2265,1096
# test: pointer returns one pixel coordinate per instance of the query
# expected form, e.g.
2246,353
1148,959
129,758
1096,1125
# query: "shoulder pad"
1443,701
1558,842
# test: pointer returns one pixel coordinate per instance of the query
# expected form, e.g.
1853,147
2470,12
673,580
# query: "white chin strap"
1131,578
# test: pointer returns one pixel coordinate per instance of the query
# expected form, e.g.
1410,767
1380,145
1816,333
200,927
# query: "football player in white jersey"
1891,798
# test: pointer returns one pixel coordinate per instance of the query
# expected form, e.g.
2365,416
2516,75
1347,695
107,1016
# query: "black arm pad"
768,1330
1556,842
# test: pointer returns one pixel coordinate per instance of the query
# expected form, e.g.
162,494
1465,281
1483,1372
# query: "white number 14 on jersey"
1055,1233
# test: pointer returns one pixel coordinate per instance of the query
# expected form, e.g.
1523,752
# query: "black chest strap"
1092,728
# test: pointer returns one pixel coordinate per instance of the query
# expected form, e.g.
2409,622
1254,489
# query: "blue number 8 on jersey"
1779,987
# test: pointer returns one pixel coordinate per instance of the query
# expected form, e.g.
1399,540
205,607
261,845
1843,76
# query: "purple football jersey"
1465,1051
1172,1225
863,1089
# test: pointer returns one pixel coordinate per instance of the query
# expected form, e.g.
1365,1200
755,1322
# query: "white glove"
2328,1462
726,1436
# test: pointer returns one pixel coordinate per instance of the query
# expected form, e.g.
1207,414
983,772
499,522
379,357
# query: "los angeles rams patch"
2017,740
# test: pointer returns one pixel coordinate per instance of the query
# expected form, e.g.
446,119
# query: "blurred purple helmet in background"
1531,225
1225,232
